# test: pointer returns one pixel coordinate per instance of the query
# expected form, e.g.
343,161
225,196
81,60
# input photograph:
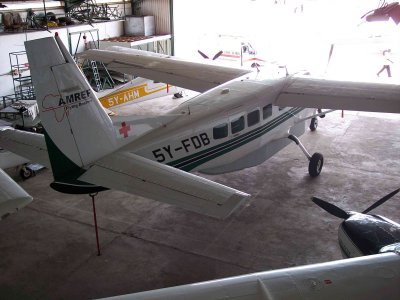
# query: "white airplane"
356,278
12,196
136,90
362,278
362,233
238,121
232,49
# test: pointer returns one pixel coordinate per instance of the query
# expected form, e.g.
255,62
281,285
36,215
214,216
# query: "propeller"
381,201
202,54
218,54
331,208
340,213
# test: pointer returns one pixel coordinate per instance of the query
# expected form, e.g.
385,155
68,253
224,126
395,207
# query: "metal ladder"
98,81
96,75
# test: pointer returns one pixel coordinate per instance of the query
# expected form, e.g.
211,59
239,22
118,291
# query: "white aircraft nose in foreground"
238,121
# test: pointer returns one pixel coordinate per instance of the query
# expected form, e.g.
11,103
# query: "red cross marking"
124,129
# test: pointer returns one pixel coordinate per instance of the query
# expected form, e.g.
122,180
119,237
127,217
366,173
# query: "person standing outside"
386,63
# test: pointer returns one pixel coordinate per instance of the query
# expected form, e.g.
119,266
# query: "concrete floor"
48,250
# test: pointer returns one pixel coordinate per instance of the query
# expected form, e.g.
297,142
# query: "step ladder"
98,79
96,75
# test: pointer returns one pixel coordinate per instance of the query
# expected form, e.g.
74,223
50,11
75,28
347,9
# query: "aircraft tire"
26,173
313,124
315,165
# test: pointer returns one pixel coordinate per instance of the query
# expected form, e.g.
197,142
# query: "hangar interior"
48,248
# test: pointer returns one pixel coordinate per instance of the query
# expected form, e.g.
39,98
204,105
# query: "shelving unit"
158,43
20,108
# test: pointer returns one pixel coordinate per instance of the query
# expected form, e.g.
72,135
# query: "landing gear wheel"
26,173
321,116
315,165
313,124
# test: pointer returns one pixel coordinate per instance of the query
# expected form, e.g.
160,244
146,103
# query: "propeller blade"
202,54
217,55
329,57
381,201
330,208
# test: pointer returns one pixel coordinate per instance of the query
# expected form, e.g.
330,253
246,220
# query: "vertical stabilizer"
78,130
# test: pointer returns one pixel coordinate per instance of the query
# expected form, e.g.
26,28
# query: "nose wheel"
313,124
316,161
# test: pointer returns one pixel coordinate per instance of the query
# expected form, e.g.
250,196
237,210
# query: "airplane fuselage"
240,129
138,89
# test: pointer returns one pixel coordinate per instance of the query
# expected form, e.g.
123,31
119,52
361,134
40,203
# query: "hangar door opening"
326,38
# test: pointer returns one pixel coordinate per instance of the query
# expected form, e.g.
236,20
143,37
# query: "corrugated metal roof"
160,9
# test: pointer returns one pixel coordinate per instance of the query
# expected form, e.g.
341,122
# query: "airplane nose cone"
369,233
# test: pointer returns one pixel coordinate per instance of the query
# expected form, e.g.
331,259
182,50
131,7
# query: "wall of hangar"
13,41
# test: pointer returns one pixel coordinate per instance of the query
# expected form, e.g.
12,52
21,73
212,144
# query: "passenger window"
253,118
237,125
267,111
220,131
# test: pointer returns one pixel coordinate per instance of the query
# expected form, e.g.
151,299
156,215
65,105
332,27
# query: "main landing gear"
314,120
26,172
316,161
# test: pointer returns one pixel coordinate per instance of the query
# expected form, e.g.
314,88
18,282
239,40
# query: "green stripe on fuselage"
191,161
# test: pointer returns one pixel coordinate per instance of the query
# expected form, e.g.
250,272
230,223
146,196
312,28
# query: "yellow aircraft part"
129,94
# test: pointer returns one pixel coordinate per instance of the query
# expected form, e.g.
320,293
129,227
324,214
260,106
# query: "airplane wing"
332,94
194,76
340,279
12,196
297,91
140,176
137,175
29,145
9,159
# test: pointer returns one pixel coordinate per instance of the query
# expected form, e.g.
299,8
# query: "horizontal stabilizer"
12,196
26,144
194,76
331,94
140,176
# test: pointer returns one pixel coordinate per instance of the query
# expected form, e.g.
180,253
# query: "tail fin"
78,130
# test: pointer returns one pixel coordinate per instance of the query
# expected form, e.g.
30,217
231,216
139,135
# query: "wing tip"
230,205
